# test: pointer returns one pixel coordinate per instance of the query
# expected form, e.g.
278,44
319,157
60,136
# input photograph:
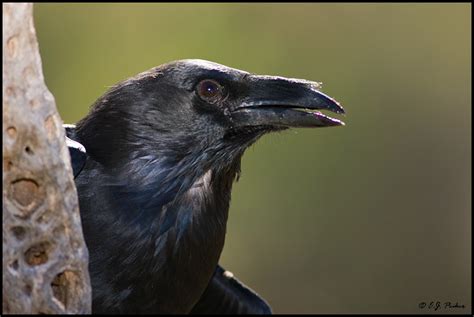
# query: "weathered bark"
44,254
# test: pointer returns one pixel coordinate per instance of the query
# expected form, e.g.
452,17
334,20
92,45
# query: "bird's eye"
210,90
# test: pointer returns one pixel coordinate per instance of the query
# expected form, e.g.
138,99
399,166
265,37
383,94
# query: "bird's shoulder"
77,151
226,295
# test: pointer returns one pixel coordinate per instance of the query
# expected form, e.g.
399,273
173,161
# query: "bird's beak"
285,102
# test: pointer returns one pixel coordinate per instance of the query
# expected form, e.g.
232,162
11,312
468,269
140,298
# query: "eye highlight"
210,90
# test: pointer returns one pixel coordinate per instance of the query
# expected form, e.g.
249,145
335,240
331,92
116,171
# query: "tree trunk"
44,255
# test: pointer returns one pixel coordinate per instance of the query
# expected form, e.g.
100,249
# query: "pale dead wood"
44,255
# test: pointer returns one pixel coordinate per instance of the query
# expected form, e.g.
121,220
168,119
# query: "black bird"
162,150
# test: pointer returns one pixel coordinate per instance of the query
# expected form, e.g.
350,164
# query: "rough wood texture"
44,254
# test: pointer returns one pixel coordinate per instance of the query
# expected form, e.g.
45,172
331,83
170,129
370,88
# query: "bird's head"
195,105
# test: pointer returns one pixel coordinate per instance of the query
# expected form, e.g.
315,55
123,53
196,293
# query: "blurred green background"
373,217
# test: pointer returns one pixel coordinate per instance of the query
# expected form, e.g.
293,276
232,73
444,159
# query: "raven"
154,162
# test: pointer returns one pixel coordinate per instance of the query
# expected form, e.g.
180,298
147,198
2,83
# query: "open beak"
285,102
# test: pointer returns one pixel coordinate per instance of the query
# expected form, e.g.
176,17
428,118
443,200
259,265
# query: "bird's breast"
193,245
